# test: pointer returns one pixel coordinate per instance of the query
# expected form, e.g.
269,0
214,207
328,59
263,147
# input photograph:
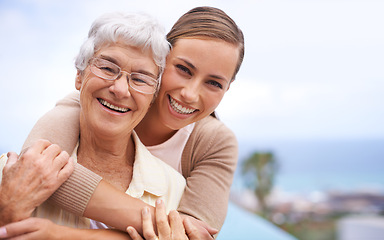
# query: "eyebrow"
113,60
194,68
148,74
108,58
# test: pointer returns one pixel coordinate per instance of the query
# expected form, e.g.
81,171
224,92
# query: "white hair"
138,30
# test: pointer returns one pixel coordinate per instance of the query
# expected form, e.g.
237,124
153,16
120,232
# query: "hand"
30,180
44,229
168,227
32,228
197,229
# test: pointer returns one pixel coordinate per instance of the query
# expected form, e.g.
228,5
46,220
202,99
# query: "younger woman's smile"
179,108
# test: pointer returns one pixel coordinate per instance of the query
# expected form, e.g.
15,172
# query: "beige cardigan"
208,163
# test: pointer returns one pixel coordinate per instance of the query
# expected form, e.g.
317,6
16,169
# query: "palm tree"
259,171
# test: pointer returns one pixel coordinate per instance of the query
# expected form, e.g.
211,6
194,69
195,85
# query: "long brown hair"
208,22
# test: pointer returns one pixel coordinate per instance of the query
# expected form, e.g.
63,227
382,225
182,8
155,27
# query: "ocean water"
318,165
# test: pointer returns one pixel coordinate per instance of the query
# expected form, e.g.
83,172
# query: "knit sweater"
208,163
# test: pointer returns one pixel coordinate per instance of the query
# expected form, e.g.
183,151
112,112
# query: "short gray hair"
138,30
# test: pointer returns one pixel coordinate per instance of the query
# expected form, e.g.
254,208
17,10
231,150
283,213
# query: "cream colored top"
152,179
171,150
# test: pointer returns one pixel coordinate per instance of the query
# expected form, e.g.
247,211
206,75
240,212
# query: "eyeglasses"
111,72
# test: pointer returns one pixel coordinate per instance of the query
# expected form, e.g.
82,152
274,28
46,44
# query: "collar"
148,174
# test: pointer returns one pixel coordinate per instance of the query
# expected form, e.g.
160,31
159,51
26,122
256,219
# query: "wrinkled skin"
30,179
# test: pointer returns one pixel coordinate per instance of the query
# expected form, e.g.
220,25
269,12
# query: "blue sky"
313,69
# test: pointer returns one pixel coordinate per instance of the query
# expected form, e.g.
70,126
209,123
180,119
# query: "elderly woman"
118,72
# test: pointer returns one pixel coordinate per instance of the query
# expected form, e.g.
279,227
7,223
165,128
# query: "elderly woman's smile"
113,107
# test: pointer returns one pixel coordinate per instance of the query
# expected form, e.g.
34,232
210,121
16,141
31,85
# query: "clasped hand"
171,227
29,179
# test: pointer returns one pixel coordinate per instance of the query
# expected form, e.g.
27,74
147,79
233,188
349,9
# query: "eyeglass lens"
110,71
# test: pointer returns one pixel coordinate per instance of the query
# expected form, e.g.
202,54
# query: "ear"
79,79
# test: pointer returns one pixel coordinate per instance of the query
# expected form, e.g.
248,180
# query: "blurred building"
361,227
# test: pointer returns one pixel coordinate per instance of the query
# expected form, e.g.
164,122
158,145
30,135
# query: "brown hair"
208,22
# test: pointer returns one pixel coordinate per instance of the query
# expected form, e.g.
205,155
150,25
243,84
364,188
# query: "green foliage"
259,171
312,230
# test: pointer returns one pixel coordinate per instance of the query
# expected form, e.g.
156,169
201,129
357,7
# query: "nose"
191,91
120,87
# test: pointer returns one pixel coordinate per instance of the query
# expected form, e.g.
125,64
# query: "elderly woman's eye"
109,70
139,80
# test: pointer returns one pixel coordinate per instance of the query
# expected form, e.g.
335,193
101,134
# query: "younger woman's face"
197,74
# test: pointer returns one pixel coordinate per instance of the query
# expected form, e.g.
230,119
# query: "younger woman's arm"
84,193
209,162
77,195
61,125
115,208
38,228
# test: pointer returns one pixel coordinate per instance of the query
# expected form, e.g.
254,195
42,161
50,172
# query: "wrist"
11,211
6,211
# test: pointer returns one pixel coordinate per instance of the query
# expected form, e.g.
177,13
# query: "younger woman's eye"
215,84
183,69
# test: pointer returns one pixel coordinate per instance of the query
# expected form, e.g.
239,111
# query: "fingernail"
145,211
129,230
3,232
159,201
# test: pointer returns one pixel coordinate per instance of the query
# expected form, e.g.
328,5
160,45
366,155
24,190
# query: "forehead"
216,56
200,40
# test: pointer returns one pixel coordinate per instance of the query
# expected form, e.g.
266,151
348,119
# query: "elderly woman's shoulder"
3,161
3,158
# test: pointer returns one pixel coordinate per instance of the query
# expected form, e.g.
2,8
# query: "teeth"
180,109
113,107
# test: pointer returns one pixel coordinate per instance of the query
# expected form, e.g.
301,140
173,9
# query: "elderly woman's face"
113,107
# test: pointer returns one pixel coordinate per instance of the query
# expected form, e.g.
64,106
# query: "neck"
151,129
110,157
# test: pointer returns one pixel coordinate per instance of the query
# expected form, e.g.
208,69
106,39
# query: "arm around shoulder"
209,162
61,125
38,228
